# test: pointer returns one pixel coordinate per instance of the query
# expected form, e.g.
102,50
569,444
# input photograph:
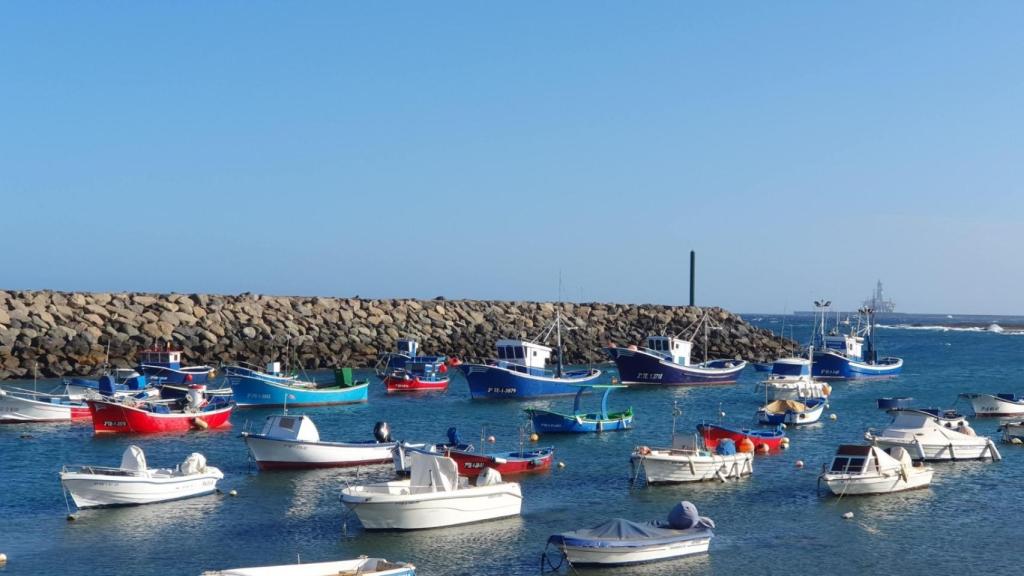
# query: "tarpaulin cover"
620,532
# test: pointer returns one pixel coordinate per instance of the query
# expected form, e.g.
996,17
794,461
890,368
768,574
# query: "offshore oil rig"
878,303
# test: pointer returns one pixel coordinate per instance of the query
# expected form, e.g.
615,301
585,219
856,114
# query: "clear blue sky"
476,149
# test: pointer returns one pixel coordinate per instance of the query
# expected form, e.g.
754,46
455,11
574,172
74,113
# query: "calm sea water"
772,523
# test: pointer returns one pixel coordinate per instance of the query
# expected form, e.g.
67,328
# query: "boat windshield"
848,464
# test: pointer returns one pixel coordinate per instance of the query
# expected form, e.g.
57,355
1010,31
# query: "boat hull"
831,365
637,367
471,464
712,434
494,382
276,454
111,417
988,405
617,556
252,391
433,510
553,422
666,467
414,384
368,566
19,409
98,490
926,451
855,485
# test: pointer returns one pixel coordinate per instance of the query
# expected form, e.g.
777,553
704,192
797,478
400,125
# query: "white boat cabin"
407,347
856,459
851,346
673,348
791,367
274,368
524,353
160,357
284,427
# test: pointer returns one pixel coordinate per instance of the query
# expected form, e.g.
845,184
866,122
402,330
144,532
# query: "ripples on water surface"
772,523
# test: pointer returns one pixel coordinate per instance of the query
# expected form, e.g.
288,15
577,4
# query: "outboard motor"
381,432
685,516
196,394
453,436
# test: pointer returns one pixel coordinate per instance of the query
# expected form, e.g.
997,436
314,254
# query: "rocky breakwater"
58,333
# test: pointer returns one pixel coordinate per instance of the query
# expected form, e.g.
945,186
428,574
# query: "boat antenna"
558,326
676,413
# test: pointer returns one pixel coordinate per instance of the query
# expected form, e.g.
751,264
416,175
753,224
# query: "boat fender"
499,460
763,448
826,389
382,432
200,423
746,445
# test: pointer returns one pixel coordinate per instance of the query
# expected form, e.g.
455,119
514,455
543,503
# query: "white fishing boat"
23,405
133,483
359,566
995,405
620,541
931,434
791,379
293,442
433,496
859,469
791,412
1013,432
688,461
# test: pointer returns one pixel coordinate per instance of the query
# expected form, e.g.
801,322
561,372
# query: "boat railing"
101,470
35,393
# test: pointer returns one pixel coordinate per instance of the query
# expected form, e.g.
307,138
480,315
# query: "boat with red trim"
521,462
713,433
406,371
128,415
23,405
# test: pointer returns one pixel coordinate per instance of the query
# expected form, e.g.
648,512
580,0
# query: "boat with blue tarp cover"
853,355
253,387
665,361
580,421
520,371
620,541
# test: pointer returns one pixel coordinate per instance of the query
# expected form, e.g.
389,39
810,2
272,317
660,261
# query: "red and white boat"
21,405
194,412
472,463
406,371
713,433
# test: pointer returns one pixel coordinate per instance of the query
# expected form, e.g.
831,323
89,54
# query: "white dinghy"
433,496
293,442
359,566
995,405
688,461
858,469
932,434
134,483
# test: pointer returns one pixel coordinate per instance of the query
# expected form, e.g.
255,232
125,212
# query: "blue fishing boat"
253,387
853,355
763,366
665,361
406,371
520,371
165,364
579,421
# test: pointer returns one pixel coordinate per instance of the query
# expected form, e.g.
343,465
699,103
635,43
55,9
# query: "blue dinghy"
579,421
253,387
620,541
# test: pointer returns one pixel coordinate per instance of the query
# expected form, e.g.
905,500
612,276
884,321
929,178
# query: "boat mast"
558,330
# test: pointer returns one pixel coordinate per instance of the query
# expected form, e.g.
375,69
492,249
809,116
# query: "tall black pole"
693,272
